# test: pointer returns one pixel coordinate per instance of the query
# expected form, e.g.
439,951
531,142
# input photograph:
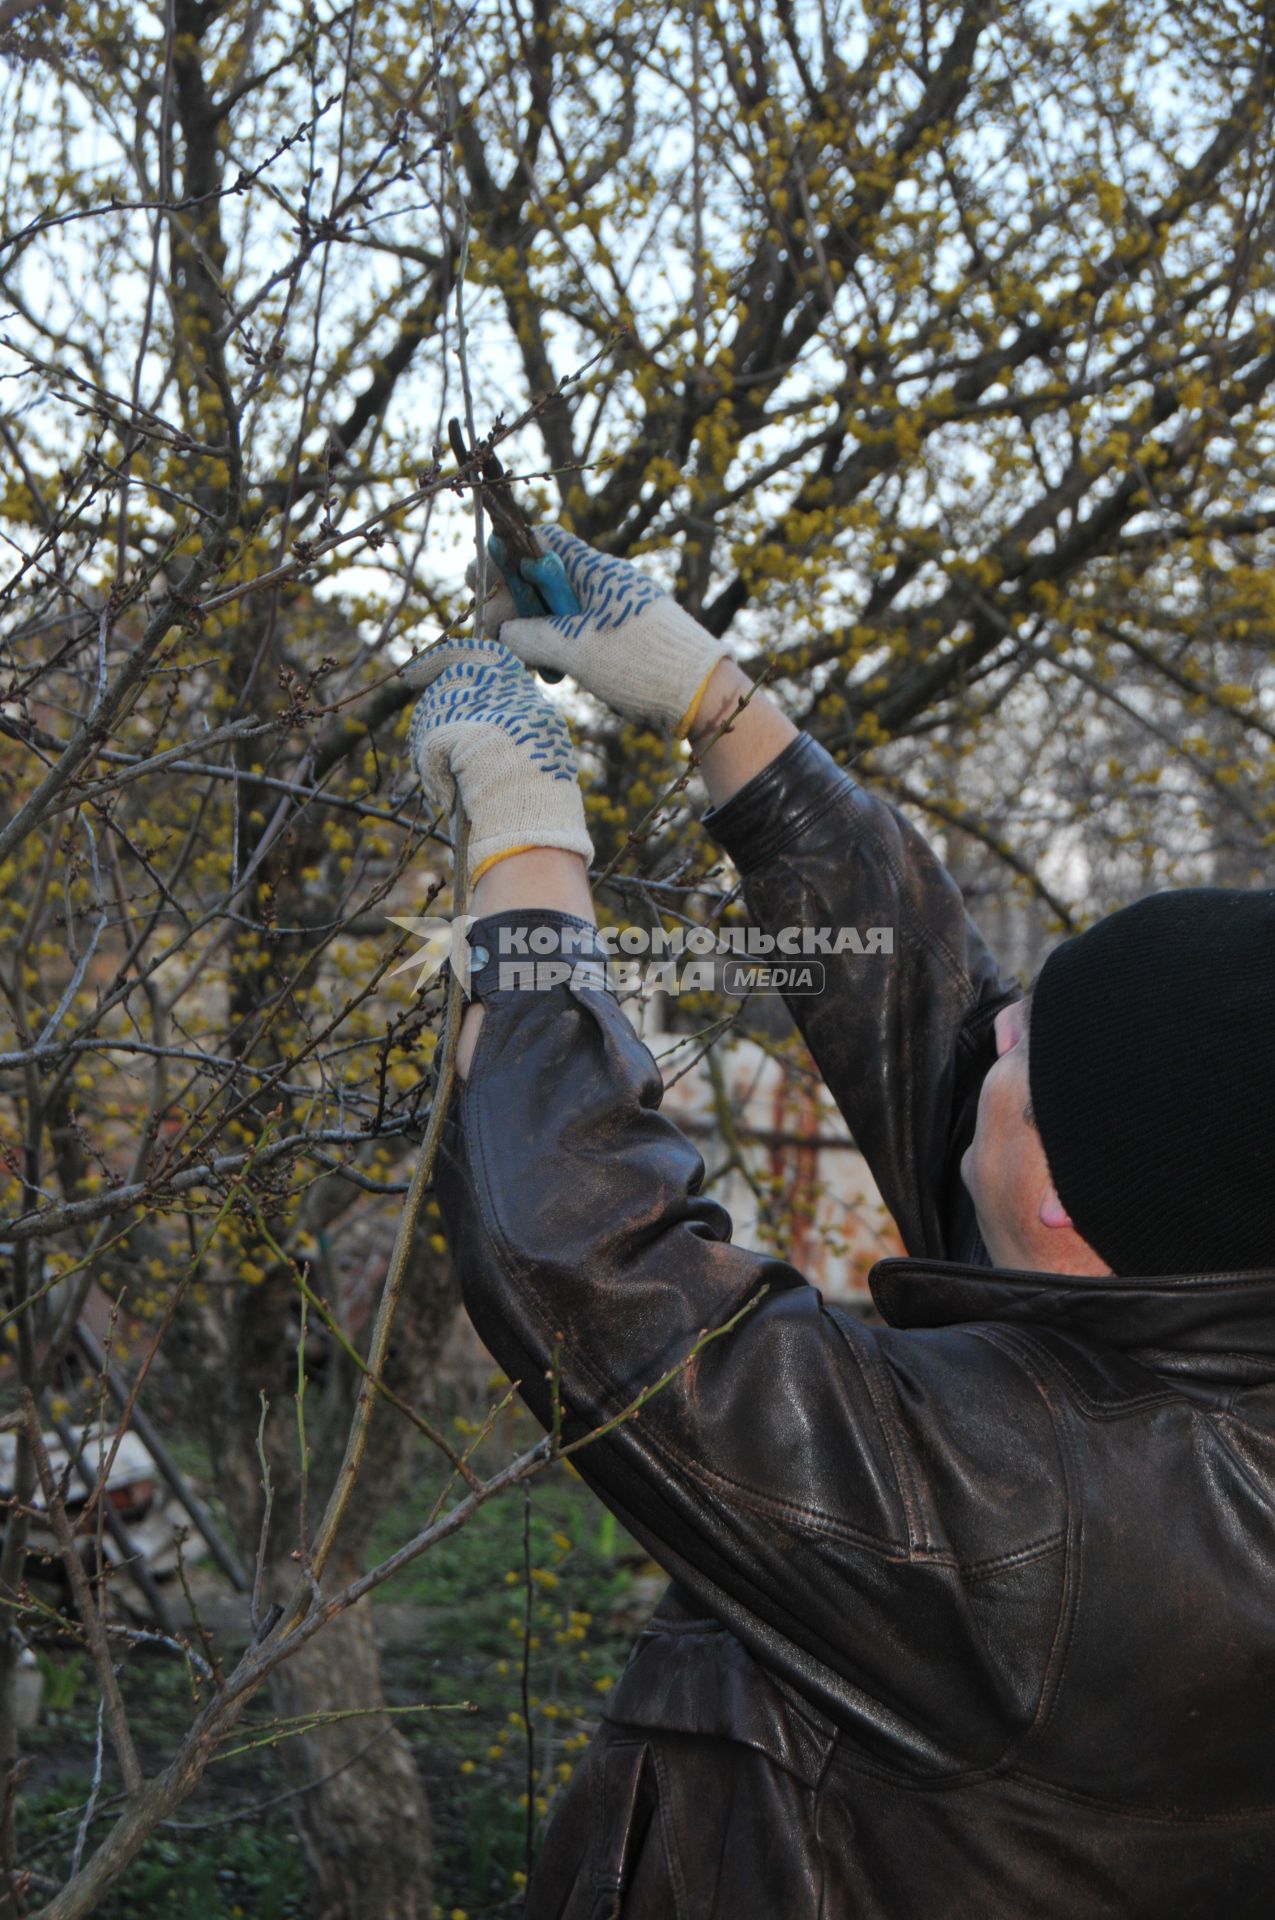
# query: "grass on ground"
232,1856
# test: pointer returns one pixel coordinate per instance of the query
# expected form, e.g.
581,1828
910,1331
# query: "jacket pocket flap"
696,1678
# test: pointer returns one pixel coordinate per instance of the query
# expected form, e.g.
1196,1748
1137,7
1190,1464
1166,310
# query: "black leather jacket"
974,1614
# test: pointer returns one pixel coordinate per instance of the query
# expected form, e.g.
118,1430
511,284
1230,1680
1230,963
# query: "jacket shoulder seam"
1094,1408
755,1500
1025,1355
869,1369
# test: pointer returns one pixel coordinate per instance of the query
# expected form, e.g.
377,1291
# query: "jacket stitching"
1026,1355
793,828
1259,1362
1158,1817
1104,1409
667,1832
869,1372
854,1762
818,1800
976,1570
920,1549
810,1519
1219,1421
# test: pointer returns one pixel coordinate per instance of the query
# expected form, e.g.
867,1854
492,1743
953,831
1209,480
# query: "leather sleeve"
902,1040
772,1475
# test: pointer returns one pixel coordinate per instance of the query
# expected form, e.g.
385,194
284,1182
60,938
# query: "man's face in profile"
1004,1167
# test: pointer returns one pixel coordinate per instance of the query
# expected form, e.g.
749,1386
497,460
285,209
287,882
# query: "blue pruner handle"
549,578
539,587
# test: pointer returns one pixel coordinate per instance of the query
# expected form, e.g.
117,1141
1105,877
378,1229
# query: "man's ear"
1052,1211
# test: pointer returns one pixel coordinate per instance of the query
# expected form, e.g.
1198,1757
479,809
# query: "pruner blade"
537,580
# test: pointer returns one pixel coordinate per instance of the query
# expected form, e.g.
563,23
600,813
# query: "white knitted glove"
483,727
632,645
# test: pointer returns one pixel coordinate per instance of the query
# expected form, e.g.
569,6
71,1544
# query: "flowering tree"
925,347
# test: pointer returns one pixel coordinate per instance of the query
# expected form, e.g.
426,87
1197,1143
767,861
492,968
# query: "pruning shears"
538,581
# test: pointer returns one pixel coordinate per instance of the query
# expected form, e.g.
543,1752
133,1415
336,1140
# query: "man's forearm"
756,735
541,877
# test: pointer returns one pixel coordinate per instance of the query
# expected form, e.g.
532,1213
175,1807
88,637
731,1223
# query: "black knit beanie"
1151,1058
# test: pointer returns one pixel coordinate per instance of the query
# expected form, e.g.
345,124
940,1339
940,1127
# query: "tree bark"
361,1809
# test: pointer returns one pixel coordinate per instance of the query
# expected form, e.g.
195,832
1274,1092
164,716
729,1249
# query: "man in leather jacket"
973,1613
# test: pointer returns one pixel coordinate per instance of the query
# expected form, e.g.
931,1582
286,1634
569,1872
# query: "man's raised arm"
901,1026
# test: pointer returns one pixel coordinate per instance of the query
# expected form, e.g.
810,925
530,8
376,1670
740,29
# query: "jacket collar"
1226,1317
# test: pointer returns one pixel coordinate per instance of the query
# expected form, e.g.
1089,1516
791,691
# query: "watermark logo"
736,961
741,977
443,941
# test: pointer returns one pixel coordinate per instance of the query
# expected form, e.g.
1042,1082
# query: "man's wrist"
728,684
535,877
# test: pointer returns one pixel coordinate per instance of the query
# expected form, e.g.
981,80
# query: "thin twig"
529,1737
82,1832
267,1488
378,1347
90,1616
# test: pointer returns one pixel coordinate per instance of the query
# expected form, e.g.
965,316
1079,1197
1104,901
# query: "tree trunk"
361,1810
361,1813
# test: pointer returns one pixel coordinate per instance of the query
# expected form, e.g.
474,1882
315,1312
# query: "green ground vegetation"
518,1625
